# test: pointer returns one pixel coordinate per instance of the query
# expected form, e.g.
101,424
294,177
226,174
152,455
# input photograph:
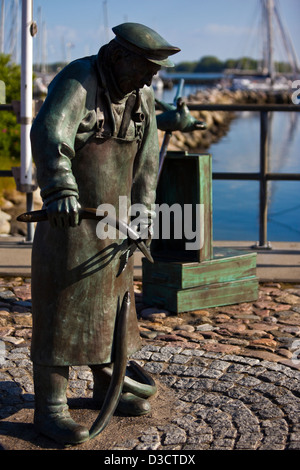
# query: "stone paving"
234,371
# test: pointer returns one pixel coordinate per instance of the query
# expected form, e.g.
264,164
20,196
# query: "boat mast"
269,5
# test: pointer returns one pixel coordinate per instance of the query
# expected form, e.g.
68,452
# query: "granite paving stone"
232,390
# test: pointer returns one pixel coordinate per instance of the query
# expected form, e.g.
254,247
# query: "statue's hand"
64,212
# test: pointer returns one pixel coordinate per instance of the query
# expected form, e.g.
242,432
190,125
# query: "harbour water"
236,203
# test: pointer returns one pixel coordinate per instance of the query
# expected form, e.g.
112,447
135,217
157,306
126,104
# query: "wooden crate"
181,280
185,179
197,298
227,265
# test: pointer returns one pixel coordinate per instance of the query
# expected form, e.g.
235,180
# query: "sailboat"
266,78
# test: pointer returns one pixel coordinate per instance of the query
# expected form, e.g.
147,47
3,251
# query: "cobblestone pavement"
233,372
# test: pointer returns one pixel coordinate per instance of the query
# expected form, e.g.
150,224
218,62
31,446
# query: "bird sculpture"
177,117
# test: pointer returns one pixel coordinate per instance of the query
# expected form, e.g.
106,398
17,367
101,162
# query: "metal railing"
14,107
263,175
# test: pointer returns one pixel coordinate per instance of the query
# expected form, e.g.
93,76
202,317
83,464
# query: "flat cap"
146,42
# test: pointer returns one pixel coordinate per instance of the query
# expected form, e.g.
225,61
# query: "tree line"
209,64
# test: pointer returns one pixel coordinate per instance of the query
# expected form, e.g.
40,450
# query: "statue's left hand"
64,212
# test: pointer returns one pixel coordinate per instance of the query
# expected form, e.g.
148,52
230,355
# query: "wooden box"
227,265
185,180
229,278
197,298
181,280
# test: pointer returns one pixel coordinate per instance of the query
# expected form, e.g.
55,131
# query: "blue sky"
224,28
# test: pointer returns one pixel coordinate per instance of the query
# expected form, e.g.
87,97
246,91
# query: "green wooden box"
186,180
227,265
197,298
181,280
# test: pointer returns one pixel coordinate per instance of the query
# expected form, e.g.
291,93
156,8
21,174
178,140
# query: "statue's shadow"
17,431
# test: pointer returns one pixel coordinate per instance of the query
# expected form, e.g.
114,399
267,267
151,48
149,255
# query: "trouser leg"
51,416
129,404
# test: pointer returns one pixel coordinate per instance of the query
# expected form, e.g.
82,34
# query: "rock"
152,313
288,299
211,335
236,341
23,319
7,295
262,354
148,334
159,327
204,327
290,363
199,313
285,352
4,223
23,292
13,340
254,333
264,326
247,316
5,204
221,318
192,336
264,343
6,331
279,307
24,333
293,319
291,329
233,327
222,348
4,312
185,327
174,321
170,337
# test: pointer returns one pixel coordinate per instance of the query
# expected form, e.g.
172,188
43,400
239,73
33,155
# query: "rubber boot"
51,416
129,404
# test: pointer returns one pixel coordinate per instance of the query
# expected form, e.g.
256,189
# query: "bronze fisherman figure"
94,139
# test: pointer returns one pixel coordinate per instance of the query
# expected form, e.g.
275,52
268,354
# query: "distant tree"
283,67
209,64
10,74
231,63
247,63
185,67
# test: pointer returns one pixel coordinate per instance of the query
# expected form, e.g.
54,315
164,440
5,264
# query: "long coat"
78,150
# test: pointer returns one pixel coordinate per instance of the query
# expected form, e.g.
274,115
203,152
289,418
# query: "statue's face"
134,72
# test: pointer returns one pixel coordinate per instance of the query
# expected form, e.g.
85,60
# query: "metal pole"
26,107
163,152
2,28
263,200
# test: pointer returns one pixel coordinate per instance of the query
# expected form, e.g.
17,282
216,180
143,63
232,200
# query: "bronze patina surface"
94,140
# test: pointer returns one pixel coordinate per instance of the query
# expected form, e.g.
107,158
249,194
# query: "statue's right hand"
64,212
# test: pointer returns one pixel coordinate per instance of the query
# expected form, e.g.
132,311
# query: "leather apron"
76,293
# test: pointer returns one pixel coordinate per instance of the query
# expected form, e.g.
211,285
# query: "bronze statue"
94,140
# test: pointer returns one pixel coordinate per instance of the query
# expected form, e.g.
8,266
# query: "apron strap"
130,103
